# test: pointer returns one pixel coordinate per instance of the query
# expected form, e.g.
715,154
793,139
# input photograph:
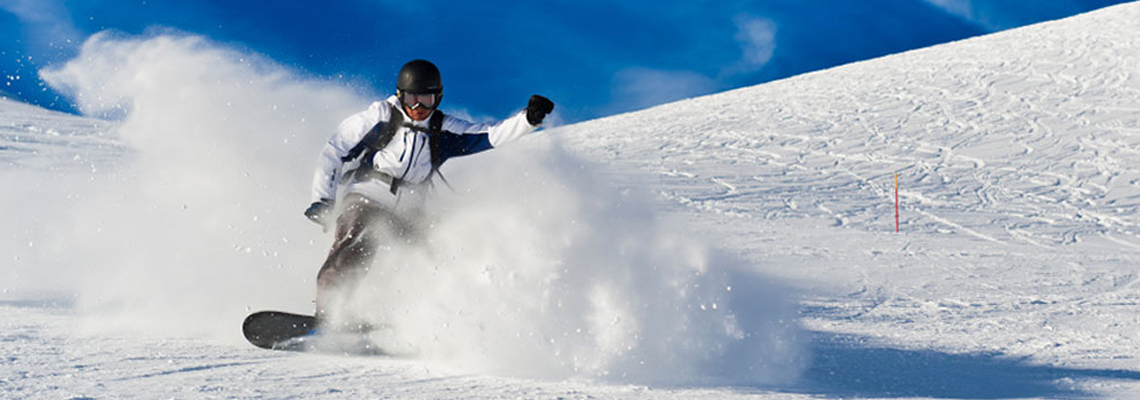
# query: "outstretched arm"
462,138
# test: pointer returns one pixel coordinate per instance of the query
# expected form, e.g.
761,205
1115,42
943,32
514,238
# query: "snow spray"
537,268
201,220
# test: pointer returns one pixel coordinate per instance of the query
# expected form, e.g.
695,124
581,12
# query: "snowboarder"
384,157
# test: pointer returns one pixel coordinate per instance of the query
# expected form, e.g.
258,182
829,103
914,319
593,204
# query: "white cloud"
961,8
48,23
999,15
757,38
639,87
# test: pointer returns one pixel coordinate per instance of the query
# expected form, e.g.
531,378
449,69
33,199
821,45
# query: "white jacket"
407,157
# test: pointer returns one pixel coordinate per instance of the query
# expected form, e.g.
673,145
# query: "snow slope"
1013,275
1016,156
36,139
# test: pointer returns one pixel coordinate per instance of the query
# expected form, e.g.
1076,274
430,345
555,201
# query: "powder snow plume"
202,218
534,267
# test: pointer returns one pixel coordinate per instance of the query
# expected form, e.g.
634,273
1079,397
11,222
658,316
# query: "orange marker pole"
896,202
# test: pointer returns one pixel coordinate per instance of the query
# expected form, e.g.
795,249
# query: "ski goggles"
417,100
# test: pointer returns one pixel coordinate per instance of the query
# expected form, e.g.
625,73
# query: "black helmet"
419,76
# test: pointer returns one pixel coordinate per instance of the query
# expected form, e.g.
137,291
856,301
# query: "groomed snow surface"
739,245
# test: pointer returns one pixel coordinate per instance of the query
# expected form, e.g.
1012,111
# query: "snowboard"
279,330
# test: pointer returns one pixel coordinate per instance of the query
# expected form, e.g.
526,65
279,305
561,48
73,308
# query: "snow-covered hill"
1013,276
1017,159
32,138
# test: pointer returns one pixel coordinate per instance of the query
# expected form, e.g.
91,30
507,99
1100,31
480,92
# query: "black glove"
537,108
320,211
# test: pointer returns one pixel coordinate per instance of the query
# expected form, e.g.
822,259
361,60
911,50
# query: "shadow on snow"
850,366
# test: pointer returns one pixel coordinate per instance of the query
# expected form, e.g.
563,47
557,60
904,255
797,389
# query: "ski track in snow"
1018,156
1018,187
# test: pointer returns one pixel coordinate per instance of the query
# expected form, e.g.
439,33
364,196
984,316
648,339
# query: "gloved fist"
320,211
537,108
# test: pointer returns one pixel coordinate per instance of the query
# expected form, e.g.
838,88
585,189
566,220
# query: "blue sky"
592,58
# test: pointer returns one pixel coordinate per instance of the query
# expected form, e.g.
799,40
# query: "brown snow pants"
361,230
